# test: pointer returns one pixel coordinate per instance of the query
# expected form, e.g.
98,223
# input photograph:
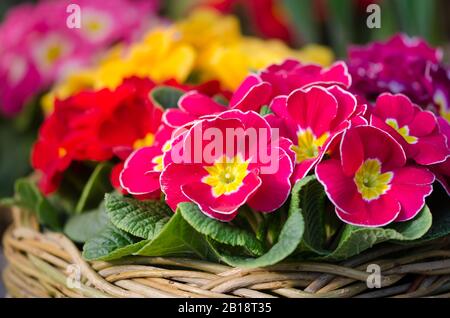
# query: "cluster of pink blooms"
402,65
377,161
38,47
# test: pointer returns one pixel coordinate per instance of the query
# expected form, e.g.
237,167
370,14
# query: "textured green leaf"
218,231
354,240
312,204
290,236
83,227
177,237
166,96
111,243
144,219
97,185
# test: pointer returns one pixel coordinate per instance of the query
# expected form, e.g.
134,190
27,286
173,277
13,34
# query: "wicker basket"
45,264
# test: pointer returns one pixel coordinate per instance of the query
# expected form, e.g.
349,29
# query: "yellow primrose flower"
230,64
160,56
206,27
206,43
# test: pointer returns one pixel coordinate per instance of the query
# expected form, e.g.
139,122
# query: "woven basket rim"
48,264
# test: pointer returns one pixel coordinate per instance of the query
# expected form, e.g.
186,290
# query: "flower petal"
225,206
138,175
252,94
275,188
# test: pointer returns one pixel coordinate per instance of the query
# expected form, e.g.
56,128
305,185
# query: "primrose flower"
140,173
292,74
440,90
96,125
223,53
231,63
37,51
442,170
369,181
223,177
56,147
416,130
267,16
311,118
251,95
399,65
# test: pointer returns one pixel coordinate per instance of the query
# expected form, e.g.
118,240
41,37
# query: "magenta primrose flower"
416,130
228,176
143,167
442,170
440,89
290,75
369,180
398,65
252,94
38,48
311,118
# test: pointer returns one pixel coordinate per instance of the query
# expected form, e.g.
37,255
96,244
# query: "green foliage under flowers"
304,228
166,96
29,198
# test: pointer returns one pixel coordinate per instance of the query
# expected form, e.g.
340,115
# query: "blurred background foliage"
337,23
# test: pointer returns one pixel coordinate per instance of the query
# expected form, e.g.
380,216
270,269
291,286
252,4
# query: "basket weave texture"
46,264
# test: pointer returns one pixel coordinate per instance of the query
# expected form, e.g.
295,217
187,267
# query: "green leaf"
166,96
27,194
265,110
48,215
83,227
219,231
15,146
354,240
290,236
8,202
29,197
439,204
312,203
305,23
144,219
340,24
220,99
111,243
177,237
95,188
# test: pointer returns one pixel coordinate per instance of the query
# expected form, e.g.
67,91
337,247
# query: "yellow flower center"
147,141
226,175
369,180
158,160
53,53
62,152
308,145
403,131
440,100
94,26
